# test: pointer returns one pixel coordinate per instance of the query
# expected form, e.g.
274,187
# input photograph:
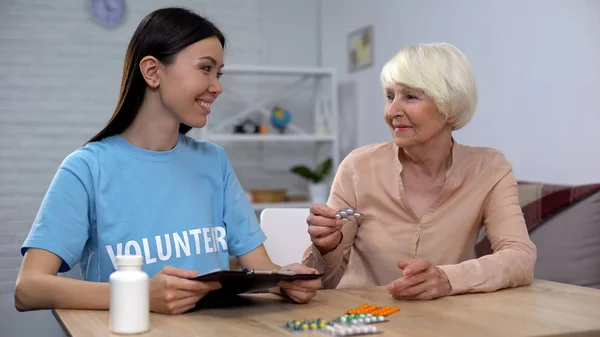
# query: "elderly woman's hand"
324,228
421,281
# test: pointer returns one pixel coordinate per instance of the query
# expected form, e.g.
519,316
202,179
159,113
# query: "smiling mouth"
204,105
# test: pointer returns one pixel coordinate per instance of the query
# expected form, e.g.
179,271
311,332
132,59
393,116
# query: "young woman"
140,186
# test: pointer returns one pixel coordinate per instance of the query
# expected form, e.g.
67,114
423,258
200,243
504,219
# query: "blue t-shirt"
184,207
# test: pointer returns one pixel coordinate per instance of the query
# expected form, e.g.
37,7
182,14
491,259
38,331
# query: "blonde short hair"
442,71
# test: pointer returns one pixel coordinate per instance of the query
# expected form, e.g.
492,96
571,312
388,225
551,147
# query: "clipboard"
234,282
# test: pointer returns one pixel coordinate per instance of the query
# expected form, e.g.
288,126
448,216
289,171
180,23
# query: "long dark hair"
162,34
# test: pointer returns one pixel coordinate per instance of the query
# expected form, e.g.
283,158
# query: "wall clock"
107,13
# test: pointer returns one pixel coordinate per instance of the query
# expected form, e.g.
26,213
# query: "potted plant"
317,187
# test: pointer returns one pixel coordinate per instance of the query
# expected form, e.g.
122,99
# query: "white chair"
287,234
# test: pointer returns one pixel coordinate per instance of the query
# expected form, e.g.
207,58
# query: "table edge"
61,323
536,282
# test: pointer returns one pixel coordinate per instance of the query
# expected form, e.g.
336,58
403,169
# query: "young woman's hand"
324,228
421,281
300,291
172,291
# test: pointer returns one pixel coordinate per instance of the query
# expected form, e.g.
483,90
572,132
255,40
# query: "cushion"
564,223
568,245
539,202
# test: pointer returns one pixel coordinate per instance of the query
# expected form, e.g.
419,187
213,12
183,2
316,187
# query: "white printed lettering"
221,237
214,239
159,248
136,247
112,254
207,241
147,256
196,234
181,244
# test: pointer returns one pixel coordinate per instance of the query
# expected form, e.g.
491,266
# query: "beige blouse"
480,189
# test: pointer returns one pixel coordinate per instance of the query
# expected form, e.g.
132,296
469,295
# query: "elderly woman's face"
412,116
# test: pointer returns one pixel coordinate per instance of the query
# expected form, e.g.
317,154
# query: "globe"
280,118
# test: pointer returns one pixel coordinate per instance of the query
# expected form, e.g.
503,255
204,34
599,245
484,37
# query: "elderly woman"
423,196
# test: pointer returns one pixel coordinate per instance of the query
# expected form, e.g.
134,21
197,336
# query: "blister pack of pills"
360,319
351,330
357,321
306,325
347,214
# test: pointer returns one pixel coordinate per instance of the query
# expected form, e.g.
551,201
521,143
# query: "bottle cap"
129,260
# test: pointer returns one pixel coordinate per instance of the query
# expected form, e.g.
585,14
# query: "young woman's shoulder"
85,159
206,150
202,146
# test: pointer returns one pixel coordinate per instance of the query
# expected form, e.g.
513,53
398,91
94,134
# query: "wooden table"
542,309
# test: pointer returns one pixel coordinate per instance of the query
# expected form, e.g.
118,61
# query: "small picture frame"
360,48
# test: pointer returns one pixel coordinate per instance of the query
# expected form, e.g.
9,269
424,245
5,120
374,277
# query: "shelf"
277,70
261,206
268,138
281,83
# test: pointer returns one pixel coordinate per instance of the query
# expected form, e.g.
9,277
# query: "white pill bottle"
129,296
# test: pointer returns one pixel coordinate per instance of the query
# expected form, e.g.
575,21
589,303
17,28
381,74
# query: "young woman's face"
413,117
189,85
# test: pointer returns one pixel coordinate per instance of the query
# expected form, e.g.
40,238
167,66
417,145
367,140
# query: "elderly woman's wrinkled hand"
421,281
325,228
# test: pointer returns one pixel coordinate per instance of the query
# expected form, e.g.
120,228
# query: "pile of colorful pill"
373,310
306,325
360,318
350,330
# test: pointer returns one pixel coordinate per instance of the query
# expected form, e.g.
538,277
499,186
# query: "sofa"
564,223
